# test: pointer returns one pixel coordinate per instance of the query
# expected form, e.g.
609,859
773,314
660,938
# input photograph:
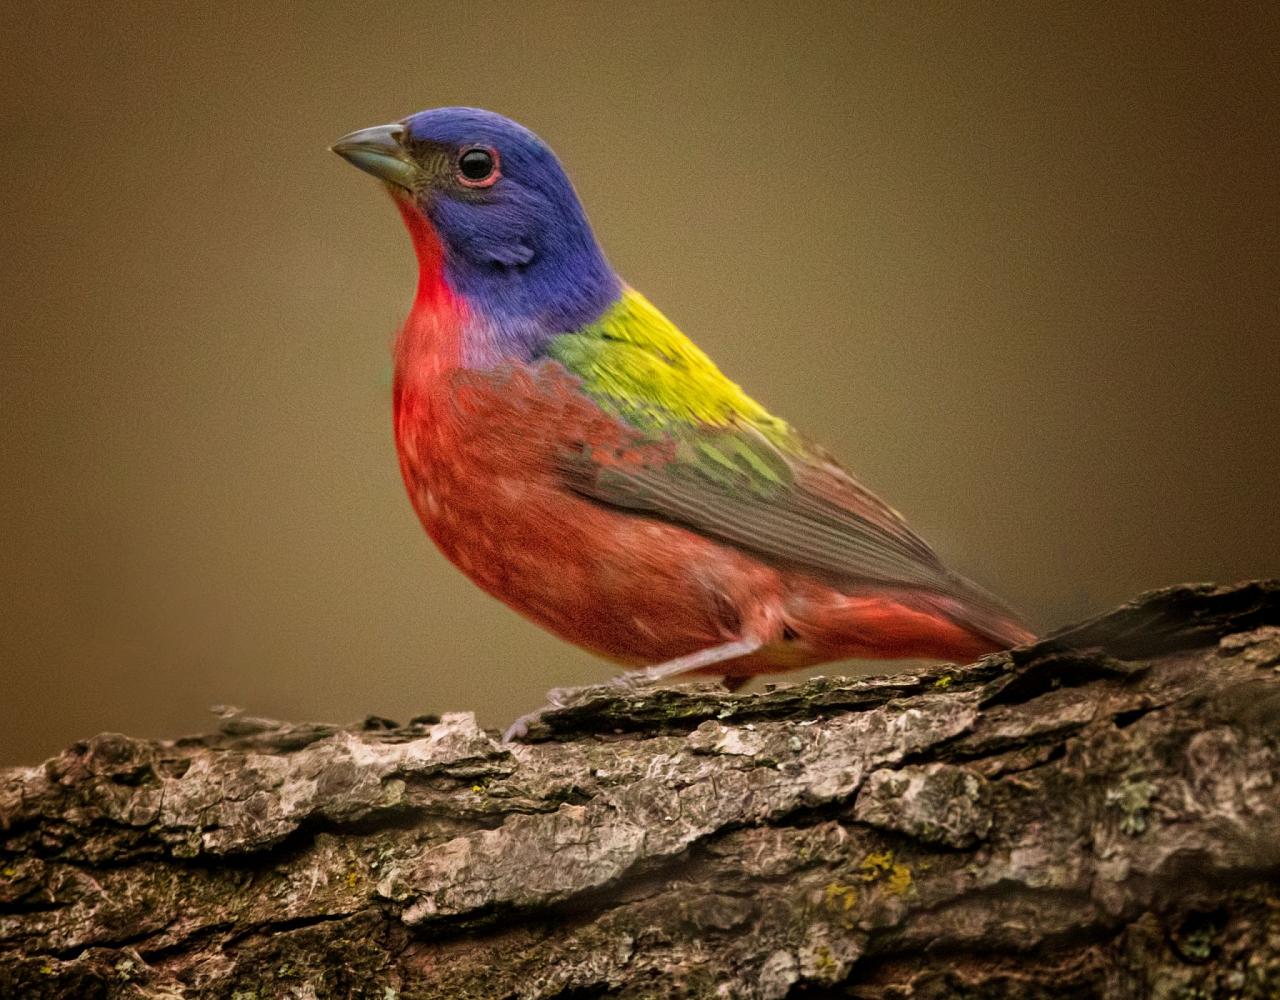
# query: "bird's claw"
632,680
560,698
557,698
519,729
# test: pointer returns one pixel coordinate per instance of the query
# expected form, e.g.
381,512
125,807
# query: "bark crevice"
1094,815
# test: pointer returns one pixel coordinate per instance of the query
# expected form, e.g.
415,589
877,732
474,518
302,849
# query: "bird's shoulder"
638,364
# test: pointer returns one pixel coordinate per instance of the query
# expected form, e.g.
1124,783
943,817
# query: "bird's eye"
478,166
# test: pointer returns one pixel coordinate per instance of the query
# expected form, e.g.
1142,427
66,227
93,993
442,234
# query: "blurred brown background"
1018,265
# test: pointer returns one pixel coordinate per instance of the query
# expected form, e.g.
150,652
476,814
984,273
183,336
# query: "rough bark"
1096,815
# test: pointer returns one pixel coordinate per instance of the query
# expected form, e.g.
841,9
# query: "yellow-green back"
636,361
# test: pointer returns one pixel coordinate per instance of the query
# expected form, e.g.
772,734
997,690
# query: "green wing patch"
638,366
728,468
636,362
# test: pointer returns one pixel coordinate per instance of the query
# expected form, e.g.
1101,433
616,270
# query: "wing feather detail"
711,459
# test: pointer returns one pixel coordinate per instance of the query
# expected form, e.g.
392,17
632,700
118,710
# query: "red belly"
479,457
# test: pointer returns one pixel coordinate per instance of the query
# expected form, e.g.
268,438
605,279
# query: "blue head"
516,244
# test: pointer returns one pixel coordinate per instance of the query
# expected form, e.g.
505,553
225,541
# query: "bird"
581,459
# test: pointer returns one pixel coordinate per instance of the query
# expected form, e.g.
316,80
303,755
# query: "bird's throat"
429,342
427,247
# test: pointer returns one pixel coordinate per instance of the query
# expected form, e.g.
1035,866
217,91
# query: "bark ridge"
1094,815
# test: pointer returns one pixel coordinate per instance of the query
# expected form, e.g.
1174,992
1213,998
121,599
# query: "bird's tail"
982,615
959,623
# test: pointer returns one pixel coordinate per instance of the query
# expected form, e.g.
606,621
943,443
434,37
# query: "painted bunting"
580,459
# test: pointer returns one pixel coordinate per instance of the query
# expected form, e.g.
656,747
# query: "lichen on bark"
1094,815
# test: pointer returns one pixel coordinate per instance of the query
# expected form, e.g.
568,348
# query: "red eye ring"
478,166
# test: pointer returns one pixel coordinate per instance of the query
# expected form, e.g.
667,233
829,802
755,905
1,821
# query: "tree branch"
1096,815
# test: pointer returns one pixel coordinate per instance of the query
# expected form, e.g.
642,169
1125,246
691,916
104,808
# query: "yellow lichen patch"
875,865
899,880
943,682
352,878
825,961
841,896
840,900
8,872
897,876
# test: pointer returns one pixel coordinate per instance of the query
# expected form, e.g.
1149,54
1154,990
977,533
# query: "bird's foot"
556,698
631,680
